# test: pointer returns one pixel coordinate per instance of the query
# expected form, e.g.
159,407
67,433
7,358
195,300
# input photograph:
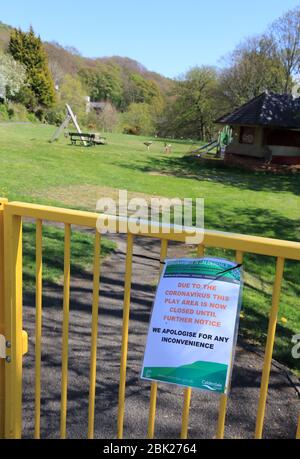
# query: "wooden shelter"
267,129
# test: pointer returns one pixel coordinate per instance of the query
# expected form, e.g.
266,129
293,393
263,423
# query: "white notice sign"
193,328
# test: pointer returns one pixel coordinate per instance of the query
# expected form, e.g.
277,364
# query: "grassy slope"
250,203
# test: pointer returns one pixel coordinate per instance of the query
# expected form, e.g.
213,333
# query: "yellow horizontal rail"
238,242
14,212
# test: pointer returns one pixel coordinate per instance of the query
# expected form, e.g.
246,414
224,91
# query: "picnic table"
86,138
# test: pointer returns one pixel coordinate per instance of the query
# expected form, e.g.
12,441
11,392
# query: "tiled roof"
268,109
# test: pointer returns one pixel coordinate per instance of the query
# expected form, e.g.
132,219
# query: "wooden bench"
86,138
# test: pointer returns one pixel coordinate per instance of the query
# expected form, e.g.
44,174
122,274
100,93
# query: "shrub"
138,120
4,114
92,121
55,115
17,112
31,118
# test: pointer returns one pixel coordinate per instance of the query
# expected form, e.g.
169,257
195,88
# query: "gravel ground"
283,401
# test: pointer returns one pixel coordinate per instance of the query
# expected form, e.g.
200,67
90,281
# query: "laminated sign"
194,324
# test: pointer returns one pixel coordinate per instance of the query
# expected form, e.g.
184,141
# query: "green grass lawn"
82,254
251,203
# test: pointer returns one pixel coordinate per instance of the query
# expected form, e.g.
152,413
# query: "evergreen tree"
27,48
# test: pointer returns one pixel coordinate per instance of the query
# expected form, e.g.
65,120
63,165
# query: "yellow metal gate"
15,339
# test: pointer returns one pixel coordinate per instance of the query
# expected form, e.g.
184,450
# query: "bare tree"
108,118
253,67
56,71
286,33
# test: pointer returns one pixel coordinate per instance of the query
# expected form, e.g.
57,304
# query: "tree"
142,90
194,109
138,120
137,89
28,49
70,92
56,71
286,33
253,67
103,83
108,118
12,75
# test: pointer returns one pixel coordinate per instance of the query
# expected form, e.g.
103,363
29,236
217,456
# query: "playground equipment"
168,148
206,148
223,140
148,145
69,117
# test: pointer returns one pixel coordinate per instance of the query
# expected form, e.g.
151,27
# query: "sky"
166,36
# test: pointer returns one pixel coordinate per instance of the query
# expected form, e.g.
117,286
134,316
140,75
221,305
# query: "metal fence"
15,339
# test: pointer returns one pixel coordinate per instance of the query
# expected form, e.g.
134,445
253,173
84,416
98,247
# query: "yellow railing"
11,215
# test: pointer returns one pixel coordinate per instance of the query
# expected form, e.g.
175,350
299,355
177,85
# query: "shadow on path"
283,404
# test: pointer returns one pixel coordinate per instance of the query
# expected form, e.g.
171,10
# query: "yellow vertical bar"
38,328
2,316
222,417
188,390
13,323
224,398
153,391
93,358
124,349
269,348
186,413
65,341
298,429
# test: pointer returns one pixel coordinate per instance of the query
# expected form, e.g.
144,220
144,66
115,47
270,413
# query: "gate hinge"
5,344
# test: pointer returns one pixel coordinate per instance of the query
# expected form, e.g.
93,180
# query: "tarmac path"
283,401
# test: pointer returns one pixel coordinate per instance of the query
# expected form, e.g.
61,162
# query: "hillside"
4,34
70,61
